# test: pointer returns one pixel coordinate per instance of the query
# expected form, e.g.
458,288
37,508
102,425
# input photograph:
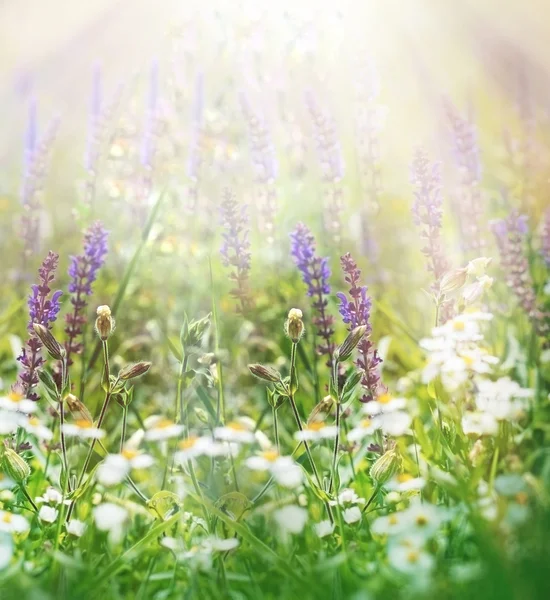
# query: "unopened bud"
265,373
473,292
201,415
104,324
453,280
294,326
15,466
349,344
55,349
478,266
78,411
385,467
320,411
135,370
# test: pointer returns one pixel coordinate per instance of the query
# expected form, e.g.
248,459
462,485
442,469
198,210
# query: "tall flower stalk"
511,237
43,310
468,201
355,311
331,162
235,249
83,271
316,275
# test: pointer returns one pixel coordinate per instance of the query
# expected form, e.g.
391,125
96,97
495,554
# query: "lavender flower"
427,211
315,274
332,166
36,161
83,271
265,164
511,236
355,311
235,249
43,309
467,202
546,238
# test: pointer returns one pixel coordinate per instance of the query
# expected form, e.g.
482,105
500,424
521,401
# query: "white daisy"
51,496
10,421
235,431
163,429
116,467
405,483
391,525
410,559
291,519
316,431
422,520
347,496
48,514
193,447
16,402
385,403
83,429
283,468
479,423
361,431
395,423
12,523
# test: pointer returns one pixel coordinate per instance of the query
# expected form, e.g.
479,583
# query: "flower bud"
385,467
478,266
349,344
55,349
294,326
15,466
201,415
78,411
320,411
473,292
265,373
453,280
104,324
134,370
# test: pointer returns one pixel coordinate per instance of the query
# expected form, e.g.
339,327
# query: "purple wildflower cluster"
331,161
511,236
467,202
355,311
36,161
43,309
83,271
235,249
264,160
427,211
546,238
316,275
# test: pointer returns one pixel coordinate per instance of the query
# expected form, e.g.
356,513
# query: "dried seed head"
15,466
104,324
294,326
385,467
349,344
55,349
135,370
265,373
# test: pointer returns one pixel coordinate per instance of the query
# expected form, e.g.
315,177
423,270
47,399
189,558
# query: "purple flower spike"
546,238
83,271
511,236
316,275
43,309
235,249
427,211
355,311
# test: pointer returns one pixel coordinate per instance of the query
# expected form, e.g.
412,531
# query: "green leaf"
234,504
163,504
48,385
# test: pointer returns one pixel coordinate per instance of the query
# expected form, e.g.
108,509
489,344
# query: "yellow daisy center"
393,520
404,477
421,520
83,424
270,455
236,426
188,443
468,360
129,454
15,397
33,421
366,423
316,426
384,398
164,424
413,556
459,325
7,518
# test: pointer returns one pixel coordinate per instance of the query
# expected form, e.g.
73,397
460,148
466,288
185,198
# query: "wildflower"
453,280
15,466
347,497
294,326
478,423
391,525
83,429
365,428
235,250
291,519
104,323
351,515
34,426
404,482
316,275
162,429
427,211
324,528
316,431
43,310
111,518
193,447
388,415
116,467
47,514
511,235
234,432
12,523
478,266
216,544
421,520
83,272
467,200
51,344
355,312
76,527
473,292
385,467
51,496
282,468
410,559
265,373
14,401
133,371
10,421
